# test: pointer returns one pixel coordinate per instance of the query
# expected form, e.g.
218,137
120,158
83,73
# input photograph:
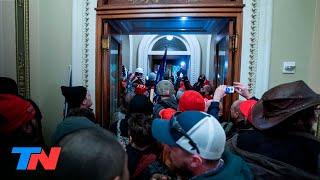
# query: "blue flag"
162,68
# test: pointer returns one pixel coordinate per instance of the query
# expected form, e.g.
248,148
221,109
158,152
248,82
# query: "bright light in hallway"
184,18
169,37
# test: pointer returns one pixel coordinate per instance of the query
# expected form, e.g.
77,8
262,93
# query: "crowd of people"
170,129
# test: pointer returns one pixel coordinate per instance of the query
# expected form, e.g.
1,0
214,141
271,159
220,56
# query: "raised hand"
242,90
219,93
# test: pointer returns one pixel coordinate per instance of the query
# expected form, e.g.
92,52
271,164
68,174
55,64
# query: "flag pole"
65,110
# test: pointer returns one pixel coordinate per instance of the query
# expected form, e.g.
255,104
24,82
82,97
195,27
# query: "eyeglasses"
176,127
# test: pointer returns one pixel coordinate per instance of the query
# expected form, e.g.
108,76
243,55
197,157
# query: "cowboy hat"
281,102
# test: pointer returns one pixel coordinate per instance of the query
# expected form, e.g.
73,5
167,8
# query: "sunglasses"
138,74
176,127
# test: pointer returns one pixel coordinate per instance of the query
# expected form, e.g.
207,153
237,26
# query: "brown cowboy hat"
281,102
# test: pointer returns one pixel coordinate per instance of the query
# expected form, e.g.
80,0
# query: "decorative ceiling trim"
22,47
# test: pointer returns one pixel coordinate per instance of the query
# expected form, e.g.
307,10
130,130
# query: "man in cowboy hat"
282,144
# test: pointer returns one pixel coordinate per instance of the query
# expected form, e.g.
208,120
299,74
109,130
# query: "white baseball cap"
194,131
139,70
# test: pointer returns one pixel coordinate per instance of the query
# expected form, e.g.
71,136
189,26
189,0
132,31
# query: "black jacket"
291,155
163,104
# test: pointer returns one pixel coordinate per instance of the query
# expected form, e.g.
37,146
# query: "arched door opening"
183,48
173,64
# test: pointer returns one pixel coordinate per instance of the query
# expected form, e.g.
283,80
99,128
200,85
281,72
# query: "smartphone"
229,90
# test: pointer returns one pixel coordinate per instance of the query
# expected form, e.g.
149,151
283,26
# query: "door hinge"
234,42
105,43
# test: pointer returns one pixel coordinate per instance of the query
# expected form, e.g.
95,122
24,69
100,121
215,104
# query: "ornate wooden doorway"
137,9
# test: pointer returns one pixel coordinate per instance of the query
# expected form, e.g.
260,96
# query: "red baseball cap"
191,101
167,113
246,109
140,89
14,112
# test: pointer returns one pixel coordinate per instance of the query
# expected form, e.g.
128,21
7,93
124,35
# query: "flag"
162,68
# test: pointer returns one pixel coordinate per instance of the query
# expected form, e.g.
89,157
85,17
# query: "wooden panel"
167,15
105,78
237,58
165,2
233,60
98,71
104,31
231,69
169,10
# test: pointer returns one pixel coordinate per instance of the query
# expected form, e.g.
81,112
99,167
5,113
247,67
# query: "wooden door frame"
105,12
103,72
226,32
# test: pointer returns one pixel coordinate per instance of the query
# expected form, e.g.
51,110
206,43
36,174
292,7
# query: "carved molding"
85,41
22,47
256,45
83,44
253,45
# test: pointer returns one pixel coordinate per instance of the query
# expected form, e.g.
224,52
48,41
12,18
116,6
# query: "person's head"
186,83
196,140
139,72
235,112
139,130
8,86
140,104
287,107
201,78
165,89
206,90
91,153
191,101
19,124
183,66
77,96
152,76
245,108
87,102
179,93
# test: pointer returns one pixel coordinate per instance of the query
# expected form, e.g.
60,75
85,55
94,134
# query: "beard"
181,170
